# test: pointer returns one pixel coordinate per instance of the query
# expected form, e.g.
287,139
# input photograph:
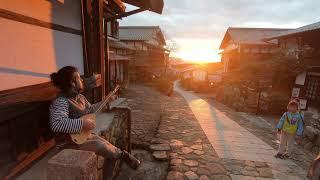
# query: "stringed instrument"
83,136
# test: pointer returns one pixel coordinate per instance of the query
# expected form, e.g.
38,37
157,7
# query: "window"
313,89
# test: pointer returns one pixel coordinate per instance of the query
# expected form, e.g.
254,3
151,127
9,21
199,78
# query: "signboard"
295,92
303,104
301,78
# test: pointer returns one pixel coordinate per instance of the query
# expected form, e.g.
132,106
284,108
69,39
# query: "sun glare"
197,51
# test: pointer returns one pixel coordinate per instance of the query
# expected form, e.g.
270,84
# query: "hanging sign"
303,104
295,92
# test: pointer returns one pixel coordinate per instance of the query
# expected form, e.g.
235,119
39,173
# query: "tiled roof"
248,35
140,33
307,28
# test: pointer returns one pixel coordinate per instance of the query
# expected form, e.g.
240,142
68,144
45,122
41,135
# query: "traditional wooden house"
150,57
120,56
215,71
244,45
38,38
302,45
195,77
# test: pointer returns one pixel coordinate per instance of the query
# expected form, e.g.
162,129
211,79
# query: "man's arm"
59,118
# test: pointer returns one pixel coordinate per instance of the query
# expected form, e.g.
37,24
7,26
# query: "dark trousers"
103,148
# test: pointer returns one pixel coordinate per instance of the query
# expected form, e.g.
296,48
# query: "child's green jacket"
291,123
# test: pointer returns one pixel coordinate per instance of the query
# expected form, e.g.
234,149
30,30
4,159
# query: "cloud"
209,19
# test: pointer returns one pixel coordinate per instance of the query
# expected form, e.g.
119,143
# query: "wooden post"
107,65
84,40
94,40
101,48
107,57
115,72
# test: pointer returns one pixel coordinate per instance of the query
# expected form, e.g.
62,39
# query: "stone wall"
248,98
118,132
311,139
86,165
238,97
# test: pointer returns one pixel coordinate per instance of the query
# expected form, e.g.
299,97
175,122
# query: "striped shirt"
65,113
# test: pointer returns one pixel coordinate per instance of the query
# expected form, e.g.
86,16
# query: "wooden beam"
33,93
31,158
125,14
120,4
33,21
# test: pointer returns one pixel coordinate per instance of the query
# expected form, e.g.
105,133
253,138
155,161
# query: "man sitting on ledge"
71,113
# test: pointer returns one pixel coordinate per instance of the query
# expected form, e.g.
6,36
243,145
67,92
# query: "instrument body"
83,136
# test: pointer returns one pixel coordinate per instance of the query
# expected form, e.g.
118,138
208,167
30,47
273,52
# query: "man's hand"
89,122
98,79
92,81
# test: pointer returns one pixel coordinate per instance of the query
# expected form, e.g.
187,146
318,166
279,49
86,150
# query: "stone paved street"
178,140
145,103
262,127
191,154
195,140
244,155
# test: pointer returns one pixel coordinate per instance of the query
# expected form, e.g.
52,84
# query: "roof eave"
222,45
288,35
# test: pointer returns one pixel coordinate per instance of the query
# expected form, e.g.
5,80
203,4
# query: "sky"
197,26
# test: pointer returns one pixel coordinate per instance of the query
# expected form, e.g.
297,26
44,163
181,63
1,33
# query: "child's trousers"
286,143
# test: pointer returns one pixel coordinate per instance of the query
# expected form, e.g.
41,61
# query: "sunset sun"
197,50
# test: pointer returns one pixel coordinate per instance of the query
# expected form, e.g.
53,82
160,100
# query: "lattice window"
313,89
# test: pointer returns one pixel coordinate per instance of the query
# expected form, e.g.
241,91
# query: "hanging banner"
295,92
303,104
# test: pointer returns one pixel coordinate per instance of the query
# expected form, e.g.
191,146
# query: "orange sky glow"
196,50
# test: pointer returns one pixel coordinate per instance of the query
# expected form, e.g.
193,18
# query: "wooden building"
120,56
244,45
302,45
150,57
38,38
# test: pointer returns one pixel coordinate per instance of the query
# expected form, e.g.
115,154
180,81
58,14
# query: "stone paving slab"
231,141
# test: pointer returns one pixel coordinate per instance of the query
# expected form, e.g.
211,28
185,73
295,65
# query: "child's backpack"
303,124
289,128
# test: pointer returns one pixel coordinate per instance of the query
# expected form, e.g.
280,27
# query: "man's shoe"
133,162
286,156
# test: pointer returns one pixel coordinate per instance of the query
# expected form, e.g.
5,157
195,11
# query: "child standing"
290,125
